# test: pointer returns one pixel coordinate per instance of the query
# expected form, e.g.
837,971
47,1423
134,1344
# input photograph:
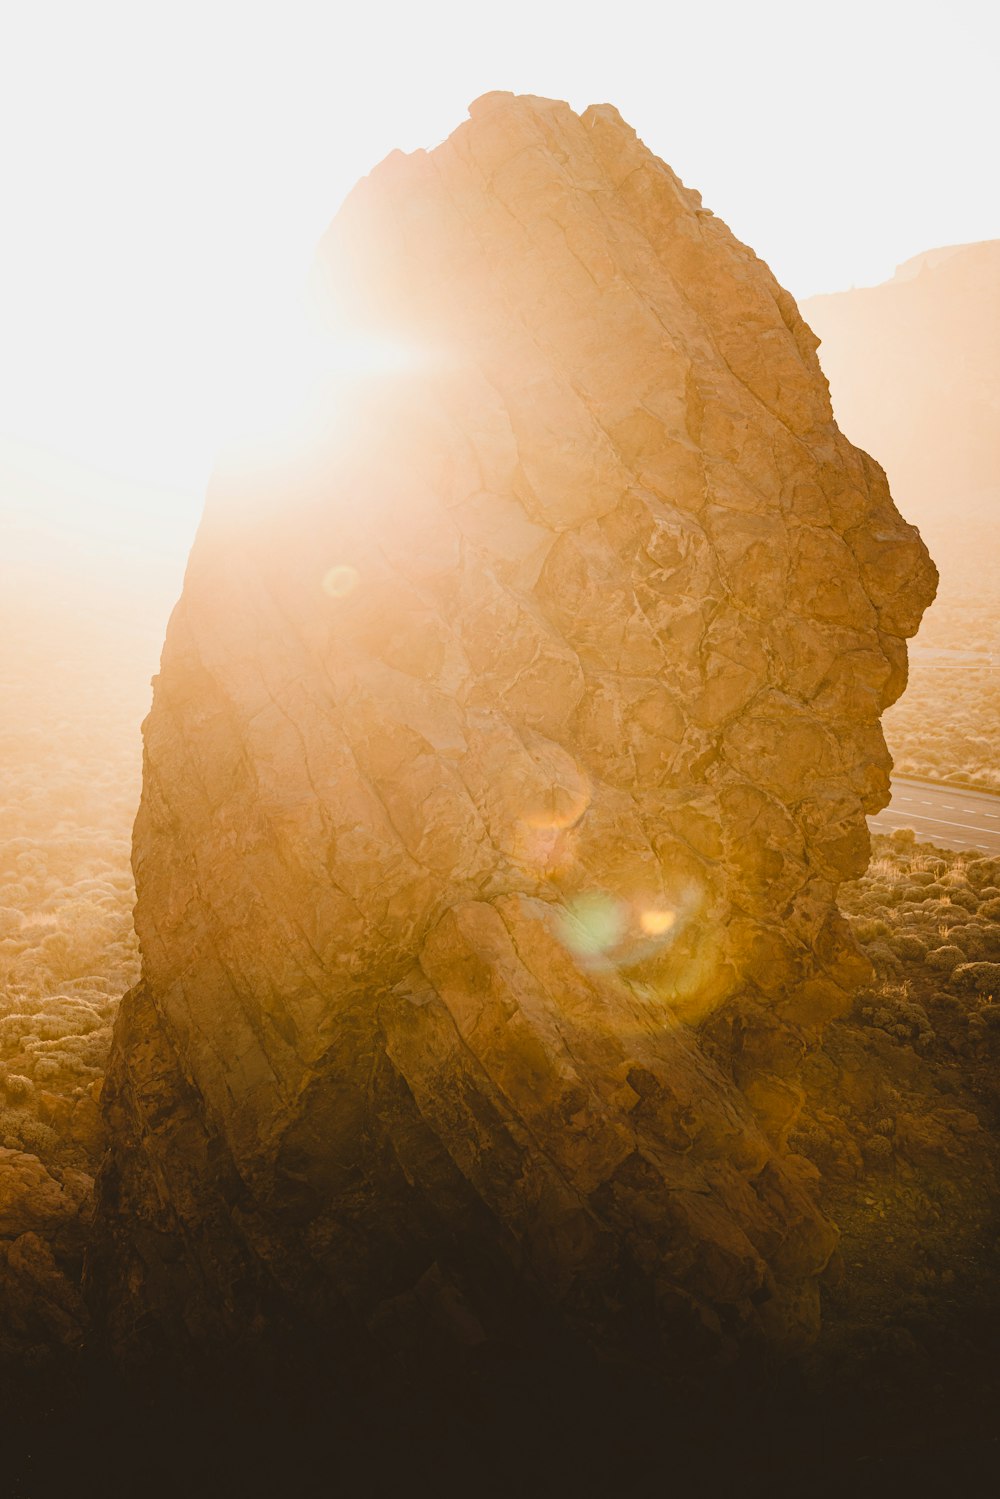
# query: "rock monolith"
514,729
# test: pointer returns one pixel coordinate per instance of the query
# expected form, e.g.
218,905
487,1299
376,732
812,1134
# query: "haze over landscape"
647,566
915,378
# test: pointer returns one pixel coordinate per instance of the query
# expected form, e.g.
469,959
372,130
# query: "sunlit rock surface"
514,730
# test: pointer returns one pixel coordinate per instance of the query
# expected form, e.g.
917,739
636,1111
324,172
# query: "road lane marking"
907,809
968,826
948,839
957,845
943,788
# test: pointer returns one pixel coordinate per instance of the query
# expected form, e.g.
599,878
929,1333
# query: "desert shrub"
910,948
877,1150
867,928
914,895
902,838
38,1138
882,956
980,942
92,1047
21,1130
945,959
947,911
16,1086
991,944
10,921
891,1009
990,909
937,890
68,1064
983,978
983,872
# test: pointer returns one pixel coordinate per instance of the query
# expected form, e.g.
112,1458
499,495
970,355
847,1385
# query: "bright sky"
168,166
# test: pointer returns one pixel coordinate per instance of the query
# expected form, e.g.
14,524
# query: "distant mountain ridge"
914,371
927,260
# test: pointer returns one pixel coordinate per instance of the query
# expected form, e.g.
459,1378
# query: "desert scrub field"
901,1117
929,919
73,690
70,756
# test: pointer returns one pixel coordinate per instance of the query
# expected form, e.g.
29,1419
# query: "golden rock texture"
512,737
44,1220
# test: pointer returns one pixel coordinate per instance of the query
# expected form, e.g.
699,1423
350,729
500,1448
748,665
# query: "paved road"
944,655
944,815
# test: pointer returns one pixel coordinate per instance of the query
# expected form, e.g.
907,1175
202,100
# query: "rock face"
511,739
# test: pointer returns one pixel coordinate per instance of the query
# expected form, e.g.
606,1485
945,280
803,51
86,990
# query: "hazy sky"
168,168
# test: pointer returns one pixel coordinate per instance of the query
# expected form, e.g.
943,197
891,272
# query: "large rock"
512,736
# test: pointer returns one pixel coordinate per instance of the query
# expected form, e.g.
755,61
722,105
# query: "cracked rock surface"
514,730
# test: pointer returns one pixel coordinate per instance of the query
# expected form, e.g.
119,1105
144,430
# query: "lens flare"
341,581
640,933
566,805
541,847
592,925
656,921
546,837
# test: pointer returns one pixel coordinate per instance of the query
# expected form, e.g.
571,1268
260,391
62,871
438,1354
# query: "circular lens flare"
341,581
546,831
656,921
592,925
